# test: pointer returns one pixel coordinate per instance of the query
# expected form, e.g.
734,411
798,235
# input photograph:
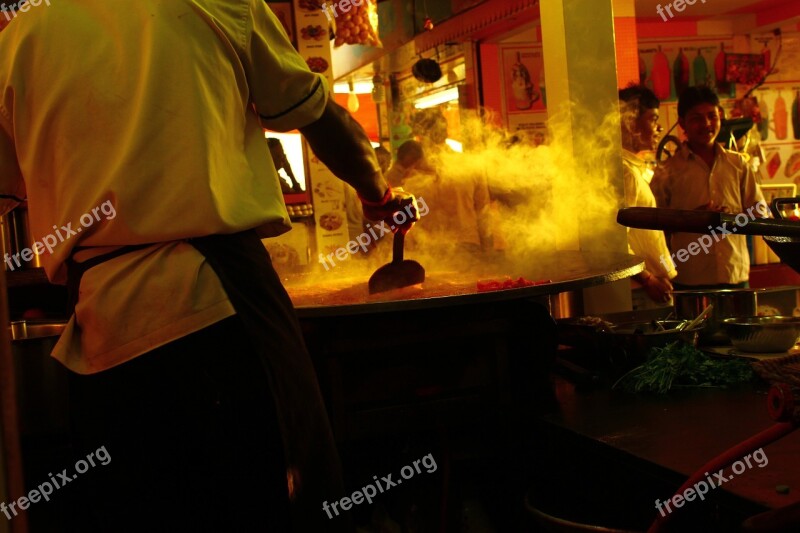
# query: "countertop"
683,430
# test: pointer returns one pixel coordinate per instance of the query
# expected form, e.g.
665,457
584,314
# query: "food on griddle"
317,64
507,283
312,32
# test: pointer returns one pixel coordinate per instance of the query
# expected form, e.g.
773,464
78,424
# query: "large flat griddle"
568,271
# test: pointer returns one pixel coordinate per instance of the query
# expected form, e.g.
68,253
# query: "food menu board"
327,191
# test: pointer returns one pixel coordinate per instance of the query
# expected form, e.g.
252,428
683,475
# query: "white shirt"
686,182
154,107
648,244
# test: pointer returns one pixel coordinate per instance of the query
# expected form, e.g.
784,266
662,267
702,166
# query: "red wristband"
381,203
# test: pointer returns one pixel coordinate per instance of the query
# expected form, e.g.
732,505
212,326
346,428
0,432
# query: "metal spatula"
399,273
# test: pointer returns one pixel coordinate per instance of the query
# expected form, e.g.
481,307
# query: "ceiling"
711,8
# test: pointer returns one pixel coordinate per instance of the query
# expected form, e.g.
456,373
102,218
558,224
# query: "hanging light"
353,104
437,98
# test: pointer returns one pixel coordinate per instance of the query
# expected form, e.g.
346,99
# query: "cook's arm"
342,145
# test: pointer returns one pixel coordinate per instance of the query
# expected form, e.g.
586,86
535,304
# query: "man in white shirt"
188,362
640,133
704,175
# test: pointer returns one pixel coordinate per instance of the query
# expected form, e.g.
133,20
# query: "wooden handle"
668,219
680,220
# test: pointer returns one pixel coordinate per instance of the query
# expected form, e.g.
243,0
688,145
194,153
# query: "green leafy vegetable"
681,365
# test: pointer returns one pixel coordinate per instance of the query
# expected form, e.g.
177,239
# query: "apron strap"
75,270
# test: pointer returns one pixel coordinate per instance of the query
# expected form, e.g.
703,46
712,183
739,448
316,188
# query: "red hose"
727,458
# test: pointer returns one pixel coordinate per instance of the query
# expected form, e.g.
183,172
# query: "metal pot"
16,237
41,381
732,303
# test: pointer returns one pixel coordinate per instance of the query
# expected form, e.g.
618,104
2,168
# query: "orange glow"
367,114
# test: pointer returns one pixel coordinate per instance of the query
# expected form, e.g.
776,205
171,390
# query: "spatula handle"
397,247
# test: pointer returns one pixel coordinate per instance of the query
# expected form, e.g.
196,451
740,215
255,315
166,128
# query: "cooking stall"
438,366
483,364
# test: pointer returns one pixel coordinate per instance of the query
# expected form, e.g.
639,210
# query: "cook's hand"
397,208
658,289
711,206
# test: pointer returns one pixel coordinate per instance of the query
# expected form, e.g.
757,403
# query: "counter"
658,441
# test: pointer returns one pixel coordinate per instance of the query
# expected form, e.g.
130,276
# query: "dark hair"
694,96
409,151
640,96
380,150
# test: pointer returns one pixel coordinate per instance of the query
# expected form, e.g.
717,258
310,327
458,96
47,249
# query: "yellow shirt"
150,108
648,244
685,182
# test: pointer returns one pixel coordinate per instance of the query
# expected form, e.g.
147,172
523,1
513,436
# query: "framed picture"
523,68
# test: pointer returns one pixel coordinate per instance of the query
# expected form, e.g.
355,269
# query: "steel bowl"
630,343
731,303
763,334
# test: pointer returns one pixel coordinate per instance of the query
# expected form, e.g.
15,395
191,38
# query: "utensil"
399,273
696,321
731,303
695,221
763,334
42,382
628,344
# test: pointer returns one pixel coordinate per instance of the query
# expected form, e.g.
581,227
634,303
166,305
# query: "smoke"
559,195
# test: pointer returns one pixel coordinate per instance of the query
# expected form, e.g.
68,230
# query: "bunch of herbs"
681,365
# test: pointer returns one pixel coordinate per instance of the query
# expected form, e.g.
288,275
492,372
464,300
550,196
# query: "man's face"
648,130
702,124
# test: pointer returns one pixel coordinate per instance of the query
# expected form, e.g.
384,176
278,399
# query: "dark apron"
243,266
